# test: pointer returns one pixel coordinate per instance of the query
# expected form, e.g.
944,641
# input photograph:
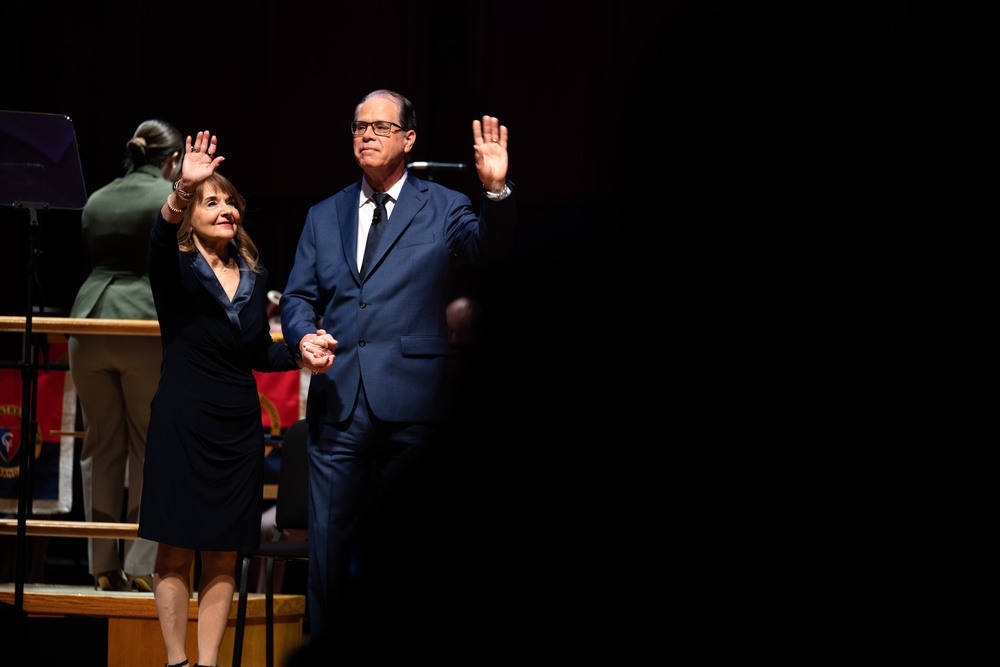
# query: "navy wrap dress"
203,474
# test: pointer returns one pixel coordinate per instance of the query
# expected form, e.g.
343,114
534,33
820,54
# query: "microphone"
456,166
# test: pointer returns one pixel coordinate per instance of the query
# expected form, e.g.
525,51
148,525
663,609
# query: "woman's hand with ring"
317,351
200,160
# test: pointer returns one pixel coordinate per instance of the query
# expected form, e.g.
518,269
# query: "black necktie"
375,231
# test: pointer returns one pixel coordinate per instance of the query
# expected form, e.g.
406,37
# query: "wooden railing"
50,528
81,325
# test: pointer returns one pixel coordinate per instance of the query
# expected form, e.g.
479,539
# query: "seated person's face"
459,334
462,320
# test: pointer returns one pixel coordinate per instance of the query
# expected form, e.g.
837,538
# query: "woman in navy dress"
203,475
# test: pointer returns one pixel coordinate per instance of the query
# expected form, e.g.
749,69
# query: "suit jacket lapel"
411,200
347,211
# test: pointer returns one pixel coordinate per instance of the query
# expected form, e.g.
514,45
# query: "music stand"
39,170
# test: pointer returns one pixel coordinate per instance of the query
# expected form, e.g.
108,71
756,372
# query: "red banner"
55,413
279,399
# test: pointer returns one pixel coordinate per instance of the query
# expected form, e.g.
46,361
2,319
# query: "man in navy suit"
375,411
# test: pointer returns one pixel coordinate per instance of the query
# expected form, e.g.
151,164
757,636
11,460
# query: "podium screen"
39,161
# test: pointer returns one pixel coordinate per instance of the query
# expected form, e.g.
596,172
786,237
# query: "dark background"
724,138
708,122
674,99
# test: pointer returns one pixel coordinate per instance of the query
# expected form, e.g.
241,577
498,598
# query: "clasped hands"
317,351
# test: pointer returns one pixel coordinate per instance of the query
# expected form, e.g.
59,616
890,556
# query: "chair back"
292,502
291,513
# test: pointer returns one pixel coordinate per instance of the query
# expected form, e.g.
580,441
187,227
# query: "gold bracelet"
186,196
175,210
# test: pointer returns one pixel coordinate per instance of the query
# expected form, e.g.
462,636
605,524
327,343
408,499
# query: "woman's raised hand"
200,160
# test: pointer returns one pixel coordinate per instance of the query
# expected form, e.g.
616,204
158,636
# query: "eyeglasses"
382,128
